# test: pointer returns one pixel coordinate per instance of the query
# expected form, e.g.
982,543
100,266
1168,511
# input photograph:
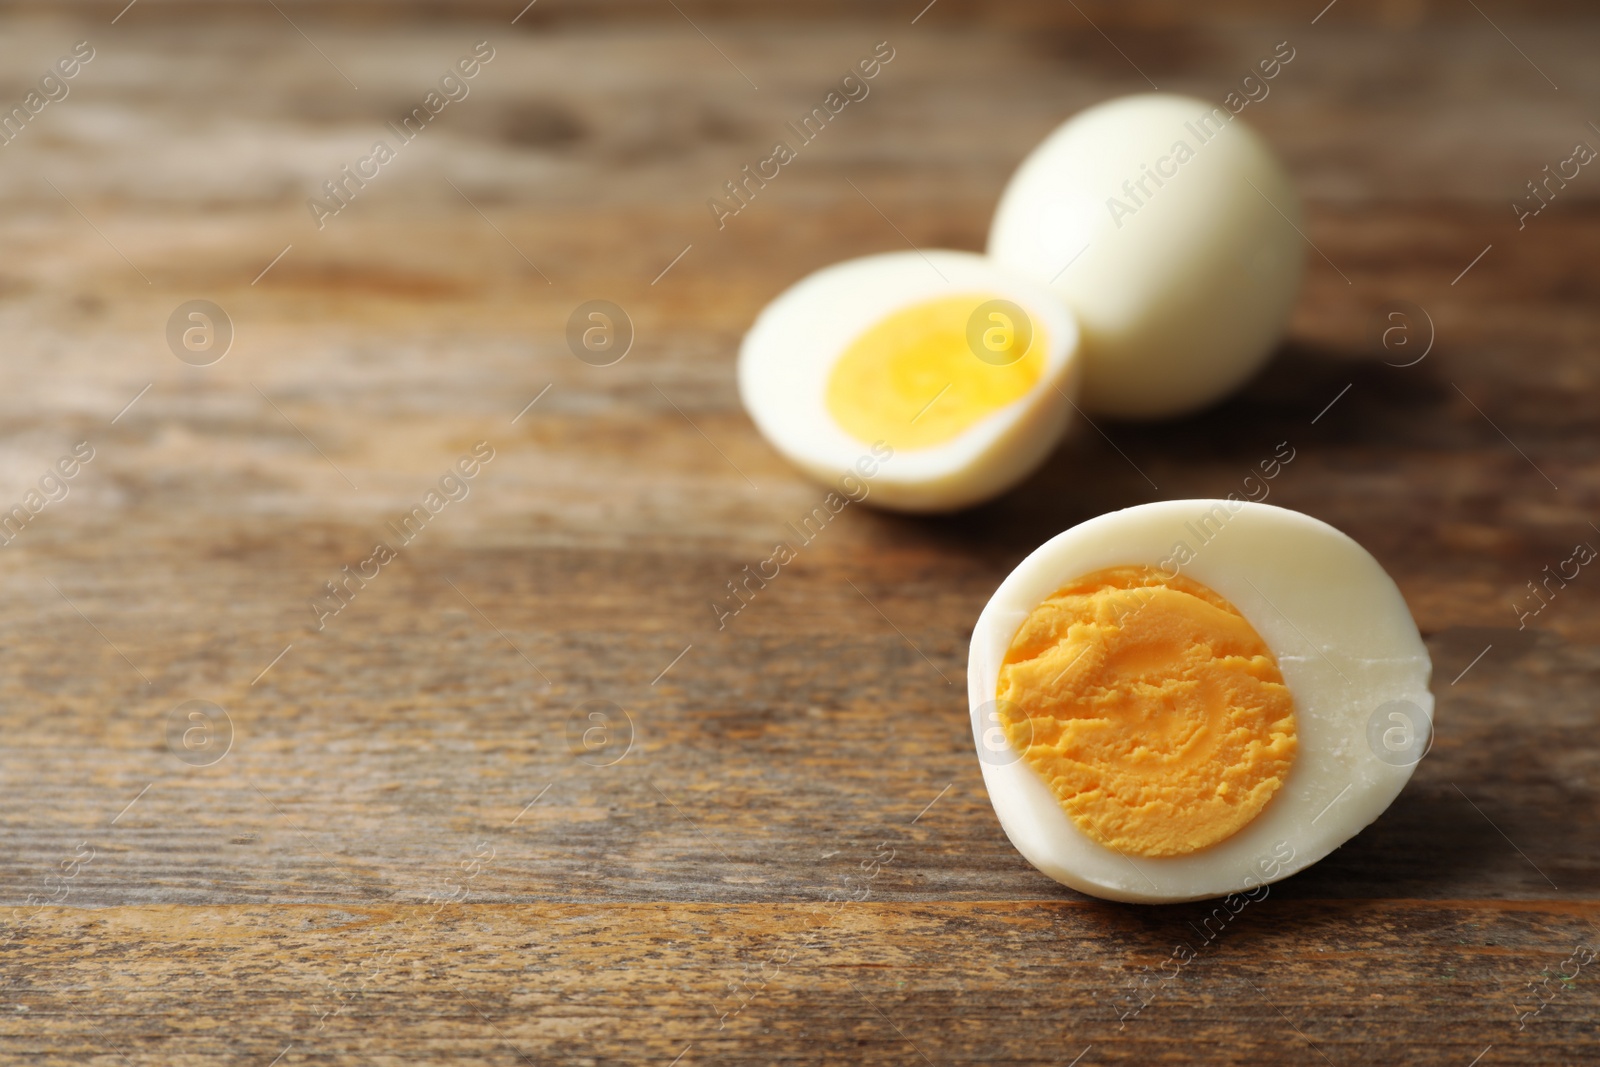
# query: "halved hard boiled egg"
959,373
1194,698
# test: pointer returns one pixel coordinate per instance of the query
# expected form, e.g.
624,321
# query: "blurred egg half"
958,371
1195,698
1170,229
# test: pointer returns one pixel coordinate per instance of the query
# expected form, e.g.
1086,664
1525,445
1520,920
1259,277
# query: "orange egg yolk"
1152,708
916,378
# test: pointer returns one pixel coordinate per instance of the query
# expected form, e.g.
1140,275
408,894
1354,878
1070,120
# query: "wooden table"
376,844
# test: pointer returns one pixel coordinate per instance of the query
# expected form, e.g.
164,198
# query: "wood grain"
863,983
400,831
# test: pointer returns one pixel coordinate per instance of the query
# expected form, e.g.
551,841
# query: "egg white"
790,351
1345,643
1182,289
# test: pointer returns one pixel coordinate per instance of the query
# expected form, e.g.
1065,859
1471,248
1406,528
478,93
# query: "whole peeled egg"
1172,232
1195,698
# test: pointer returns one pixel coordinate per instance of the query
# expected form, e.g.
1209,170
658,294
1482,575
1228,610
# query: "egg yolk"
913,378
1152,708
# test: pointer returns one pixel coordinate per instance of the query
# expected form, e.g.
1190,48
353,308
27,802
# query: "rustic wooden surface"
401,859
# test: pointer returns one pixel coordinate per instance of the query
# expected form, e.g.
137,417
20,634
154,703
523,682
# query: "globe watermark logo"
599,733
1399,733
199,332
599,332
1403,333
995,745
199,732
999,332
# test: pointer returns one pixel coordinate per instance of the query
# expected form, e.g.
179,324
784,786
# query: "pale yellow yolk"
912,378
1152,708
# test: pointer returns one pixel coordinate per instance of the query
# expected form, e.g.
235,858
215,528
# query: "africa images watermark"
1545,190
53,488
453,486
852,488
352,981
1206,527
1581,954
52,88
1210,928
348,183
853,88
745,990
1201,129
854,889
1582,555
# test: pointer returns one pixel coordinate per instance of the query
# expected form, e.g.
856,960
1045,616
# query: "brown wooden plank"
1356,982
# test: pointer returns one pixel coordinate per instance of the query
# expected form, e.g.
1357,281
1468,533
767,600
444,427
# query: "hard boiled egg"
1195,698
1171,230
959,372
